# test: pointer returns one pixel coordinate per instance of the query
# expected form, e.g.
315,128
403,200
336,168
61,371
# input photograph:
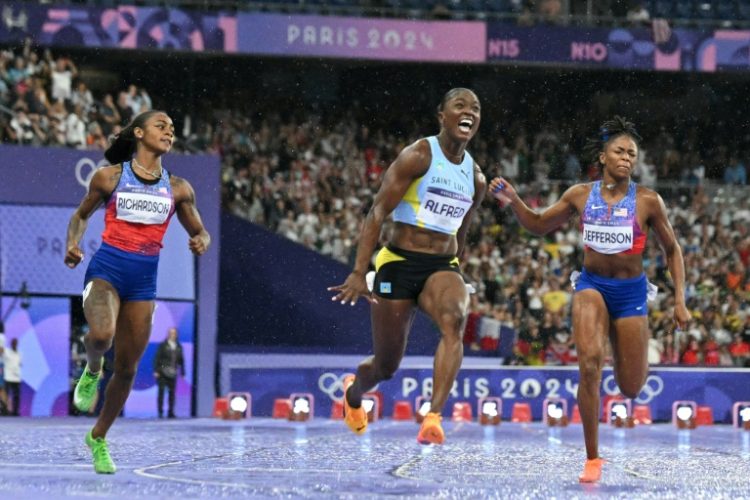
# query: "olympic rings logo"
333,385
85,170
653,387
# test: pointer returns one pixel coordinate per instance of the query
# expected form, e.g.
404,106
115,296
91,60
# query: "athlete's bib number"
608,239
443,209
143,208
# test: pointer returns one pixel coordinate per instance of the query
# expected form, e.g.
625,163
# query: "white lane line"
144,472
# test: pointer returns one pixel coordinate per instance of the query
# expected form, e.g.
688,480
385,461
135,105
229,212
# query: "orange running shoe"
592,471
354,418
431,431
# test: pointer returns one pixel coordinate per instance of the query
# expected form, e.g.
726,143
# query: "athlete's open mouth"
465,125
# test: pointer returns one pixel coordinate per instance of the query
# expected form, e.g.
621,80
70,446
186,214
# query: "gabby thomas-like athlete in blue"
611,290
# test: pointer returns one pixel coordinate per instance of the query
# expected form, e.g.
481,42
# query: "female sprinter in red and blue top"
140,196
611,290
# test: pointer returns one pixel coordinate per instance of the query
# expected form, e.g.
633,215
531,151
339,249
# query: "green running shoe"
103,463
85,392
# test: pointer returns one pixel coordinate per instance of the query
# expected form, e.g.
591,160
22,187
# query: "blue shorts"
624,297
131,274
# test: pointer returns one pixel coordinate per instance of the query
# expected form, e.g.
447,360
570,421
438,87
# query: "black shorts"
401,274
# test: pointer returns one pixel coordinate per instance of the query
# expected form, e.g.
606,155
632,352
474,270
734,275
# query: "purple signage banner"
130,27
125,27
42,327
361,38
271,376
32,248
677,50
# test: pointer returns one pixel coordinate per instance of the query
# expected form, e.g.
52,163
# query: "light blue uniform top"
441,198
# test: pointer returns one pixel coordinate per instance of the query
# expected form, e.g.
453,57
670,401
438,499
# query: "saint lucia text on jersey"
449,182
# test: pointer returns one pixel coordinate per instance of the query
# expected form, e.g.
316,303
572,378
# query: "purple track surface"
265,458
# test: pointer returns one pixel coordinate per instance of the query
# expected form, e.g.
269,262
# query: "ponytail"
123,146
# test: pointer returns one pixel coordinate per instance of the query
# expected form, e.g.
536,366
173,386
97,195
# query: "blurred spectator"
692,353
82,96
711,352
655,349
124,108
555,299
637,14
529,348
735,173
550,11
63,72
21,127
740,351
645,170
109,114
95,138
75,128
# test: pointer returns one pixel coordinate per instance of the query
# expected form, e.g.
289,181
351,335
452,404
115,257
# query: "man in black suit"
166,364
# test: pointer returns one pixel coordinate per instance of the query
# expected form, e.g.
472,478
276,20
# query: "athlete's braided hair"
122,146
608,130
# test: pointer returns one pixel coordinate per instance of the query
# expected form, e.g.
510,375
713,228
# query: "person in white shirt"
63,73
12,362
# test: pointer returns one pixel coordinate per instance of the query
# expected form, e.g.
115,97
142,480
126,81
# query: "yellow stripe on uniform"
412,198
384,257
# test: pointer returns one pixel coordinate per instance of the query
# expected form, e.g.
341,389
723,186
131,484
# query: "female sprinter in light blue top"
432,189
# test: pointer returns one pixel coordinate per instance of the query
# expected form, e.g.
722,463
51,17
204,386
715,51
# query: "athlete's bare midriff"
620,266
417,239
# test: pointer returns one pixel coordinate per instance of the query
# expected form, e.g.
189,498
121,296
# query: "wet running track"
265,458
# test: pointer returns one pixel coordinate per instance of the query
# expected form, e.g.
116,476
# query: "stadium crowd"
310,176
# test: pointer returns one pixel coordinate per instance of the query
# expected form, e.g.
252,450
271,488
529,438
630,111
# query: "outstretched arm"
659,221
102,184
411,163
542,222
188,215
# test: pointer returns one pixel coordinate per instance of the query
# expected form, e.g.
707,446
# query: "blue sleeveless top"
441,198
611,229
137,214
